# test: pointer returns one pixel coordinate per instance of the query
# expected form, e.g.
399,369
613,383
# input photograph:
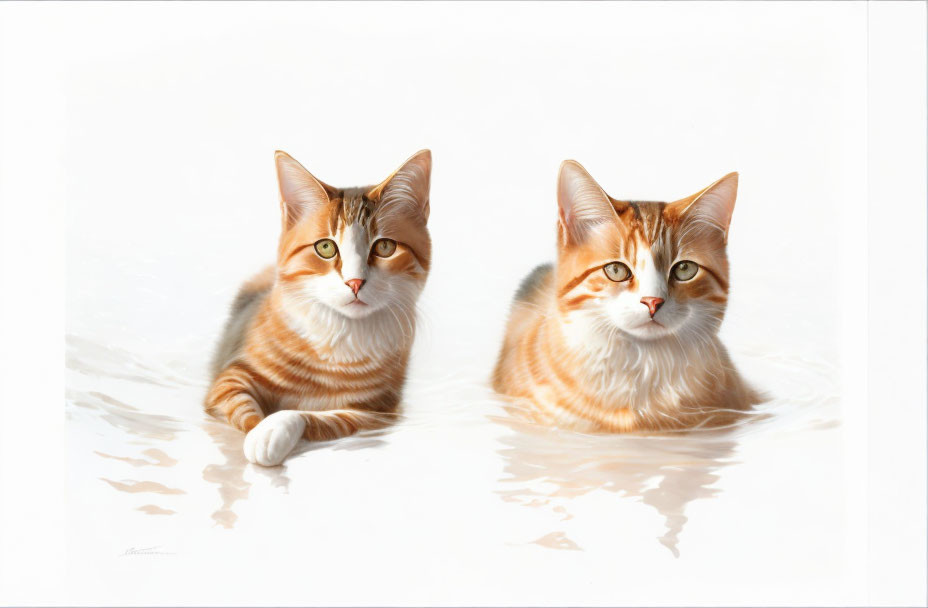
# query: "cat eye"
617,271
684,271
384,248
326,248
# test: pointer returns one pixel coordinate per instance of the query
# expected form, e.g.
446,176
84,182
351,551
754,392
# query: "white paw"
269,443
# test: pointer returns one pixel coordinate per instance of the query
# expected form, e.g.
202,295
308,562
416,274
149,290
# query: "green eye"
684,271
617,271
326,248
384,248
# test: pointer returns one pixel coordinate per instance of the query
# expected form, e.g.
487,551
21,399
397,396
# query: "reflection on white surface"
148,463
549,467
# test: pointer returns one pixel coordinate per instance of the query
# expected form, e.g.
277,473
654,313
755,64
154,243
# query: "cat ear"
711,208
300,192
407,190
582,203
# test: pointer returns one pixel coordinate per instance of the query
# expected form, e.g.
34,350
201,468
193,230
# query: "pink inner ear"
582,203
717,203
408,188
300,192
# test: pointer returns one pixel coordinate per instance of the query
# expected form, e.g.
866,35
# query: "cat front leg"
268,440
233,398
335,424
272,440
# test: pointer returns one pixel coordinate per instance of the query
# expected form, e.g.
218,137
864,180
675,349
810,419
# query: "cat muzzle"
653,304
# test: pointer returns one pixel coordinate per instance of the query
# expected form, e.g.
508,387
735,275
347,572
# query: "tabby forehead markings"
306,355
597,354
354,208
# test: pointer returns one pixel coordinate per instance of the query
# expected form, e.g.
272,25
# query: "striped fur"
305,354
584,351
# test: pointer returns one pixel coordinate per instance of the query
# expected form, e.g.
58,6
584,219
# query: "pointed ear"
582,203
300,192
407,190
711,208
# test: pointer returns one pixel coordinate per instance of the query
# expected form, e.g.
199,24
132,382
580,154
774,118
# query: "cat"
316,347
621,334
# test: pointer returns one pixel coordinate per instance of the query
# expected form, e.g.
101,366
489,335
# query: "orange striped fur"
583,348
317,346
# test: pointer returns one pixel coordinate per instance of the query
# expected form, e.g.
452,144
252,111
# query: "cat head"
648,270
354,250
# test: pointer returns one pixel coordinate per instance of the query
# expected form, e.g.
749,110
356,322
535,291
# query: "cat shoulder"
534,283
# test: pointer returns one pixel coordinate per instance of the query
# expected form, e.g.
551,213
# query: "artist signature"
146,551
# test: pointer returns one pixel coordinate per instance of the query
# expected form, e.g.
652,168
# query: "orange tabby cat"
621,334
317,347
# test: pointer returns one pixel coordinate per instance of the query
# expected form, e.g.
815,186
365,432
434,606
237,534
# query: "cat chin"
648,331
355,310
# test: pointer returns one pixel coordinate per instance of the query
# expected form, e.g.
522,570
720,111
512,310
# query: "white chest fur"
639,374
347,340
340,342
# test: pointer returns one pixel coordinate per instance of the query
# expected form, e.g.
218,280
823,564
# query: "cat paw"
273,438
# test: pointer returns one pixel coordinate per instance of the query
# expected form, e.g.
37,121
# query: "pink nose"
355,285
652,303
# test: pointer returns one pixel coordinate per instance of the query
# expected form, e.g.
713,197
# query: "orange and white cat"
317,346
621,334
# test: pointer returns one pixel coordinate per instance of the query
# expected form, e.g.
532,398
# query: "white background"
136,177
